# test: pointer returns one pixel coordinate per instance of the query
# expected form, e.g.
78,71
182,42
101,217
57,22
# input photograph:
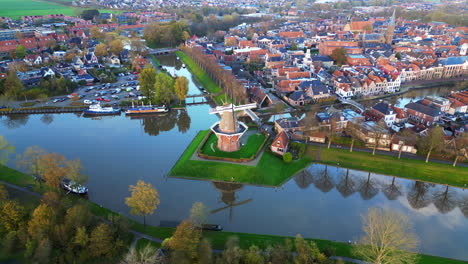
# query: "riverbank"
270,171
432,172
217,239
202,77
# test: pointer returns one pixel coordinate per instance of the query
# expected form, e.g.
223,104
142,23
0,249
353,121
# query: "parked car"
105,99
116,97
130,94
56,100
99,99
88,102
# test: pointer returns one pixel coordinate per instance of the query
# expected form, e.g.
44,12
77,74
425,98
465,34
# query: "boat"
96,109
183,65
73,187
146,109
212,227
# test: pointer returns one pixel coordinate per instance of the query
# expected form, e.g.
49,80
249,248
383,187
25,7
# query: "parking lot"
126,88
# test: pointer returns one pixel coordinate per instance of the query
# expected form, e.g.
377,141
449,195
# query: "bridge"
162,51
254,117
353,103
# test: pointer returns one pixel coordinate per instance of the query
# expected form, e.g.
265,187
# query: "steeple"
390,29
392,19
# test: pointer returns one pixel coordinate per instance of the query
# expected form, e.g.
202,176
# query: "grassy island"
254,143
270,170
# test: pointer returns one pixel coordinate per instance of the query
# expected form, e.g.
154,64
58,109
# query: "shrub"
298,149
287,157
28,104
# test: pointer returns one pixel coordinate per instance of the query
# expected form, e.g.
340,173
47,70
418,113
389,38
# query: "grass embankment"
218,239
270,170
254,142
389,165
202,77
155,60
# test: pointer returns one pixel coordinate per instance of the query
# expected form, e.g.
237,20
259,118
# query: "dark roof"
427,110
383,108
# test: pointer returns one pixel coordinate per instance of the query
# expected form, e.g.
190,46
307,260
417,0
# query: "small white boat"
96,109
183,65
73,187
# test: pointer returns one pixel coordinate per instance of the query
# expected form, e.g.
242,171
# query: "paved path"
23,189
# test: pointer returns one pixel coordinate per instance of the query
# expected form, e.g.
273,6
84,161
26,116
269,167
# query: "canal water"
321,202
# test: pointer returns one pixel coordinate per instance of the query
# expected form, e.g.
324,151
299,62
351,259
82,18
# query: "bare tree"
388,239
378,132
433,141
460,148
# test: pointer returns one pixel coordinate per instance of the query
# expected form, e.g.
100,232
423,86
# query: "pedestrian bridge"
353,103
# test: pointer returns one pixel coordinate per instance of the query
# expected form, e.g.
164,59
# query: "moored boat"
148,109
73,187
96,109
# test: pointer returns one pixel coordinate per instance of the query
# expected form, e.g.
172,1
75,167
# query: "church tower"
390,29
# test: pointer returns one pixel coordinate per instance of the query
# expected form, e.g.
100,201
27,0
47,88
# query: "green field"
254,142
202,77
17,8
388,165
270,170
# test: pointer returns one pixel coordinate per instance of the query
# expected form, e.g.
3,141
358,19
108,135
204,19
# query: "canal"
320,202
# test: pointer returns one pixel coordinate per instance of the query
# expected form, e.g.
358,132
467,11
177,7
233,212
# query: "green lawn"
17,8
202,77
254,142
270,171
388,165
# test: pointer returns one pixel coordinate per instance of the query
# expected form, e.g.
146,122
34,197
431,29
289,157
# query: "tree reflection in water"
392,191
463,205
15,121
418,196
444,200
48,118
368,188
323,181
153,124
183,122
303,179
346,185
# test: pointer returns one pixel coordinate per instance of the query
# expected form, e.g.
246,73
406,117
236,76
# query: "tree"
53,169
164,88
205,253
74,172
339,56
78,216
89,14
146,255
287,157
11,215
388,238
378,132
181,87
20,51
198,214
81,237
42,221
116,46
43,251
5,150
232,252
144,199
3,193
398,55
460,148
405,137
96,33
101,242
433,141
12,85
185,239
147,79
253,256
100,50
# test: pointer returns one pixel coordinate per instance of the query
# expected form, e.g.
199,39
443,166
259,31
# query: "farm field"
17,8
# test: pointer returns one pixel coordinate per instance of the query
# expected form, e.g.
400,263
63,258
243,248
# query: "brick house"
280,143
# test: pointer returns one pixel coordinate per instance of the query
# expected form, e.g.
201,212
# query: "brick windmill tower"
229,130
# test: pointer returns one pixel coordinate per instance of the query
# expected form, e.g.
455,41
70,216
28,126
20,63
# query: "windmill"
229,130
228,197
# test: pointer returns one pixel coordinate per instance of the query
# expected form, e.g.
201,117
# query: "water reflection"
15,121
228,197
368,185
154,124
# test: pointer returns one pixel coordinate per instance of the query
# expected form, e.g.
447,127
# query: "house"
298,98
289,125
280,143
33,59
77,63
90,58
407,145
114,60
421,113
47,72
315,136
386,112
260,97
